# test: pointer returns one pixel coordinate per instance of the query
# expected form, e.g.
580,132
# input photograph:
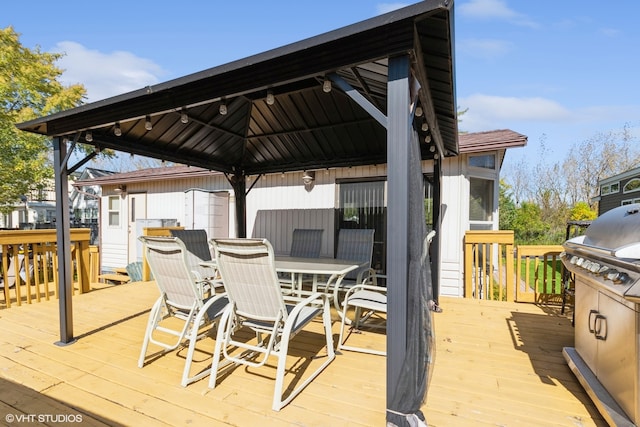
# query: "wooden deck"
497,364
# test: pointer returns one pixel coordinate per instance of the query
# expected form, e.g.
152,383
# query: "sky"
559,72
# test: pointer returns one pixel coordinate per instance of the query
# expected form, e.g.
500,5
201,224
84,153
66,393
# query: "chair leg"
221,336
151,324
278,402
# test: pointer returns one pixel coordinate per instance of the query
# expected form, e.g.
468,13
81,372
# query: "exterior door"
363,205
137,210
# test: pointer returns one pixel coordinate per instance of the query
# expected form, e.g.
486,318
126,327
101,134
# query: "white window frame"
633,180
114,213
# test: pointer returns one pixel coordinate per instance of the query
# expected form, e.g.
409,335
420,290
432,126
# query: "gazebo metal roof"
305,127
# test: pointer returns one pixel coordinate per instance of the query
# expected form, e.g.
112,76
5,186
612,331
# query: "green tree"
581,211
29,88
528,226
507,206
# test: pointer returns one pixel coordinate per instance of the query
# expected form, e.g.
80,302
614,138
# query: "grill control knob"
594,267
579,262
603,270
612,274
622,278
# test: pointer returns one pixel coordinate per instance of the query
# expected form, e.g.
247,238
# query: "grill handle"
599,323
592,321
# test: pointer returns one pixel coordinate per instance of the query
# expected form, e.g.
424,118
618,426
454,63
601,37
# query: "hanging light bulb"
425,126
223,109
427,139
326,85
147,123
88,136
432,148
184,118
270,98
418,111
117,131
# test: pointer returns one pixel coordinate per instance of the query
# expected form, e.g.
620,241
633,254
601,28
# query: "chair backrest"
306,242
134,270
197,245
355,245
168,262
247,268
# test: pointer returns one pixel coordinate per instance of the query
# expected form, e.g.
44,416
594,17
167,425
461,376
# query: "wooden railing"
30,264
488,265
539,276
495,269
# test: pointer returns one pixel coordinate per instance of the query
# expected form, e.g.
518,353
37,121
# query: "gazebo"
375,92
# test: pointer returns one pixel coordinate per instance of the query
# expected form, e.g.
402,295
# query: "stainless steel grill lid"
616,233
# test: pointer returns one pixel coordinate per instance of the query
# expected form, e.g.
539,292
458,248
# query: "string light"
88,136
270,98
326,85
117,131
147,123
223,109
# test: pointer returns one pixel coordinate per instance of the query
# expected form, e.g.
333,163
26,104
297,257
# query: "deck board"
495,364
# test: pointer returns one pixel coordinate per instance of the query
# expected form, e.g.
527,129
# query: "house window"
630,201
632,185
480,199
114,211
485,161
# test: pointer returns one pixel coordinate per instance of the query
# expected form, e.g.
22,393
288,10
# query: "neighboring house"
38,208
332,199
84,202
618,190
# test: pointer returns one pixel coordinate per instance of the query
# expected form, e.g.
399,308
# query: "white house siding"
279,203
454,222
164,200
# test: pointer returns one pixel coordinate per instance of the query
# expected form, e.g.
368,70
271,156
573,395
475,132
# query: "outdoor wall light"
270,98
326,85
120,189
308,177
147,123
117,131
88,136
223,109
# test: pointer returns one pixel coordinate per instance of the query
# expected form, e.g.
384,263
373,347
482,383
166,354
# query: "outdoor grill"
605,266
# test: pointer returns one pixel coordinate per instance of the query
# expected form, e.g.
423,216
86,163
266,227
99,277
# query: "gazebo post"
63,239
398,144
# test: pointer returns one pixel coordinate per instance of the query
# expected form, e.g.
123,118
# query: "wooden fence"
29,265
495,269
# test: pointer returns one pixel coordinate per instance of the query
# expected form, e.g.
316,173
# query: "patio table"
334,269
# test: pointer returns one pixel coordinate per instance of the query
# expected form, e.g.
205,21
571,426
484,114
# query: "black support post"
65,271
398,146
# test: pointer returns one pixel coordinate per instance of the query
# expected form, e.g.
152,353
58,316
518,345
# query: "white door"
137,210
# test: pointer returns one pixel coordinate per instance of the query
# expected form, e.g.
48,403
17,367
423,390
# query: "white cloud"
494,9
388,7
483,48
105,74
487,112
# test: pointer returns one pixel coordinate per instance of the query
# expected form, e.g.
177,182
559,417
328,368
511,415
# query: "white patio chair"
198,250
305,243
369,301
180,298
256,302
354,245
373,301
